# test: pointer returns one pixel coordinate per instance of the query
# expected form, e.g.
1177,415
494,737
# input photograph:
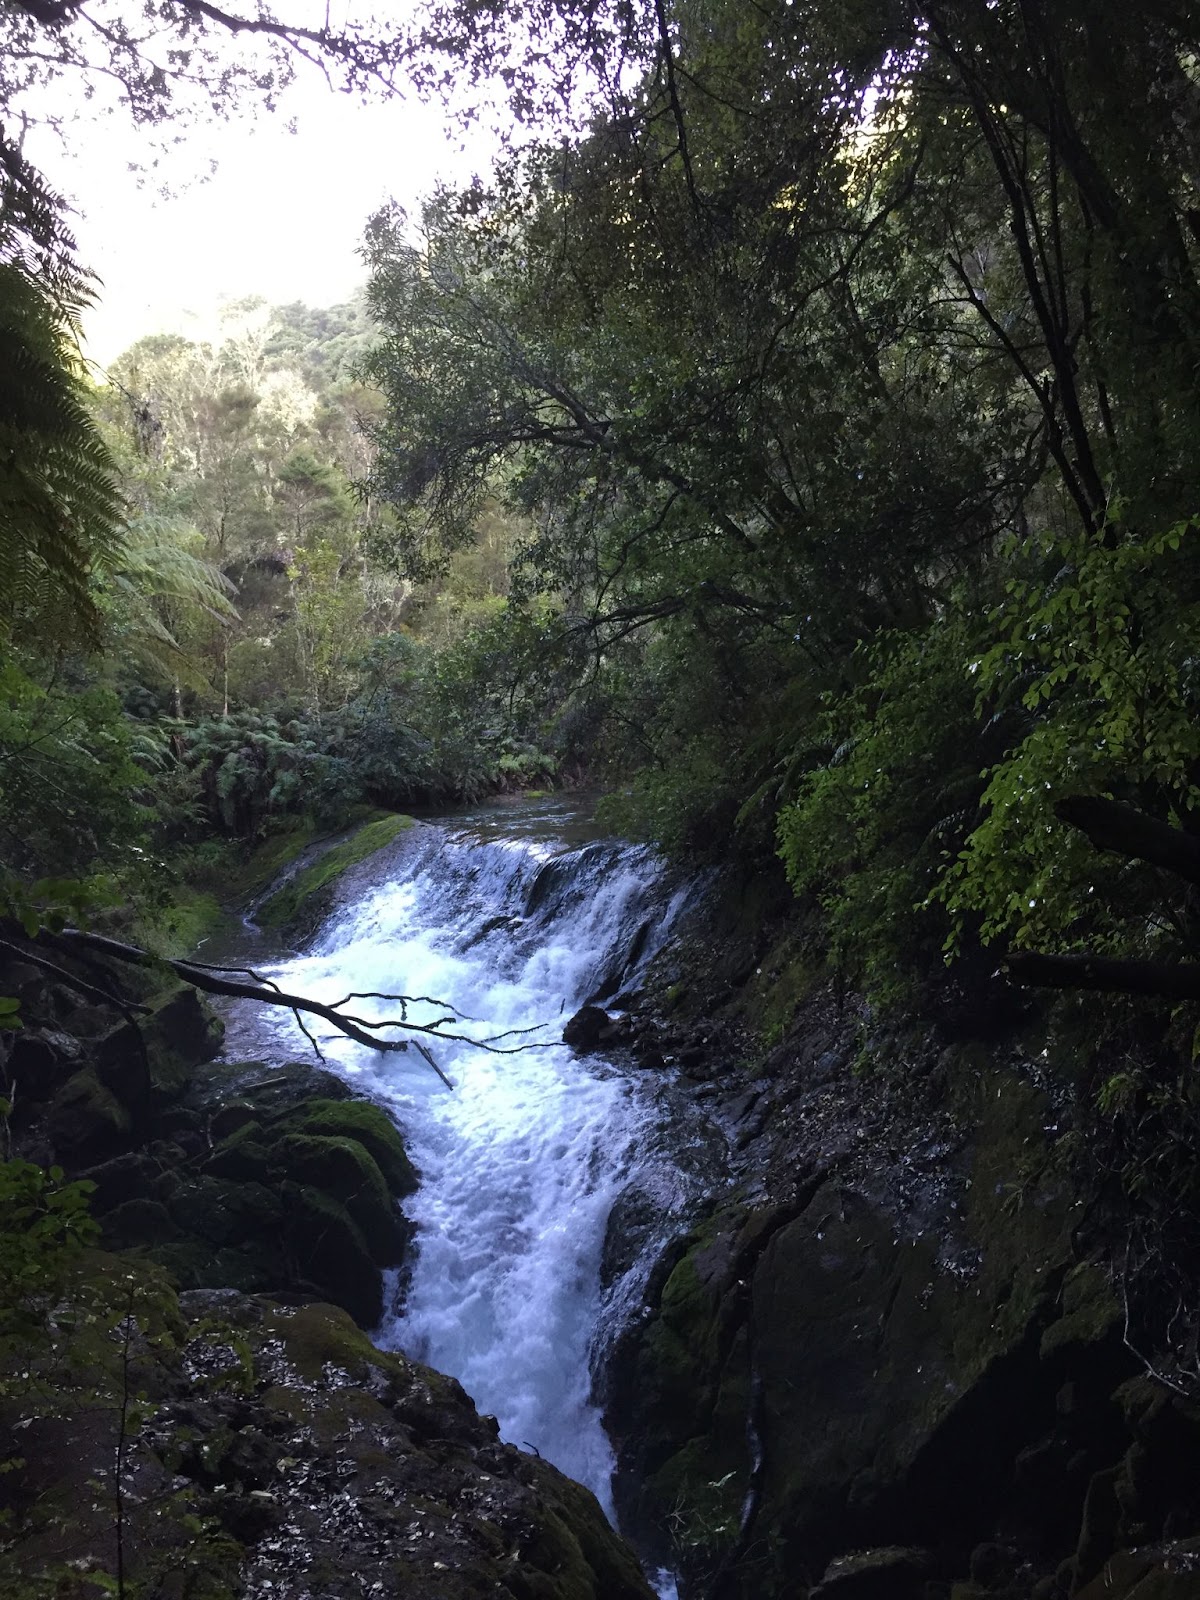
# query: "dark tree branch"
1110,825
243,983
1162,980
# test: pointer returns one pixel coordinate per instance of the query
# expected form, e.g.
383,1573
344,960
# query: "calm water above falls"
522,1162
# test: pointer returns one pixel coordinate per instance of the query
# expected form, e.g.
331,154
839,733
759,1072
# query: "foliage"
823,327
70,788
250,768
44,1226
889,785
1097,650
60,510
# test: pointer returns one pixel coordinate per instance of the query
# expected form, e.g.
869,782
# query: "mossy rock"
301,903
343,1169
139,1222
1090,1311
329,1250
244,1156
87,1122
222,1212
369,1125
154,1060
349,1159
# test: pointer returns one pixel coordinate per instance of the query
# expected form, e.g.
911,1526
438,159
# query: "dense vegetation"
796,432
844,367
807,437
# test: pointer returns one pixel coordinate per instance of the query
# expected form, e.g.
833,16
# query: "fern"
61,513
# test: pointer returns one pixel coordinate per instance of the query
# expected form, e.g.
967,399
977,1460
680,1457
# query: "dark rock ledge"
272,1451
890,1362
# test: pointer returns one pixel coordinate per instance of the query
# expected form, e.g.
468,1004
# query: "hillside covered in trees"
794,436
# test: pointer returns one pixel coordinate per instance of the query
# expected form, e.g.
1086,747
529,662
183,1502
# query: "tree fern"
61,514
158,593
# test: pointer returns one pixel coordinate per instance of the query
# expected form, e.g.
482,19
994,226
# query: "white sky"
282,217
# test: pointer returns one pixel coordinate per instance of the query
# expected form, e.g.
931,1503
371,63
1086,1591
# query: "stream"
514,917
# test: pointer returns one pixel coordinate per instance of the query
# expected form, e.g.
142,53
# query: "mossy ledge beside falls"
801,1325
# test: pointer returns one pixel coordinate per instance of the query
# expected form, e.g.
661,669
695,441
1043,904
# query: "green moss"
215,881
193,917
304,898
342,1169
329,1249
321,1335
357,1119
1090,1311
87,1122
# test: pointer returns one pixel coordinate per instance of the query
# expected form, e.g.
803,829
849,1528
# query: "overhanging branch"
244,983
1162,980
1110,825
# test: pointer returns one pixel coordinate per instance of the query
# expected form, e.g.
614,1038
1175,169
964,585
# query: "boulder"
274,1450
892,1573
86,1122
345,1171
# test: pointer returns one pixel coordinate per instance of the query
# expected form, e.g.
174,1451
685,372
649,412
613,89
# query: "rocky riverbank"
891,1360
190,1416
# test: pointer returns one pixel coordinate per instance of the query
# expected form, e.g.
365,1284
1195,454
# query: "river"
512,917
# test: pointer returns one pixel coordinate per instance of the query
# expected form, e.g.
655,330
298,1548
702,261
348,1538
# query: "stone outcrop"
223,1443
259,1178
891,1360
226,1447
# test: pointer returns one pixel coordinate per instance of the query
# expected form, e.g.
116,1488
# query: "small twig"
425,1051
308,1034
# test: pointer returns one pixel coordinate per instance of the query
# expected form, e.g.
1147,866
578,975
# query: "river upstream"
513,917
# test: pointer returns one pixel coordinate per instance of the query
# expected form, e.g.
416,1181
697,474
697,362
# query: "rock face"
273,1451
891,1362
218,1444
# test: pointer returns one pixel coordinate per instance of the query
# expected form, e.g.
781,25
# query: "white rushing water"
521,1162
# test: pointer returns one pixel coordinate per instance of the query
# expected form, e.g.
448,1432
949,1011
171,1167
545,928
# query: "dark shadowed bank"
914,1349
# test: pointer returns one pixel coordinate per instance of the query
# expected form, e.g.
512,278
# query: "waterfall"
521,1162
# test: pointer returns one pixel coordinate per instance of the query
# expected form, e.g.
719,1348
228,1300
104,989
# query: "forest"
793,437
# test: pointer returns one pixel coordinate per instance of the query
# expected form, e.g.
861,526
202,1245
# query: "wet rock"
588,1029
593,1028
158,1054
891,1573
885,1393
236,1114
344,1170
40,1060
632,1223
371,1127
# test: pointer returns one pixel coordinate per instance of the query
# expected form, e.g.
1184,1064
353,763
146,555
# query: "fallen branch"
1107,974
244,983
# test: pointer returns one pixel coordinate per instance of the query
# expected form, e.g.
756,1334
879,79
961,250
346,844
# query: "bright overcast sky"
282,216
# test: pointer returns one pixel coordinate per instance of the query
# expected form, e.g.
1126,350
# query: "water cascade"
521,1163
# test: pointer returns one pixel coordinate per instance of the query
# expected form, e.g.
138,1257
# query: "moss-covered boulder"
366,1124
86,1121
299,1198
346,1171
156,1056
819,1378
